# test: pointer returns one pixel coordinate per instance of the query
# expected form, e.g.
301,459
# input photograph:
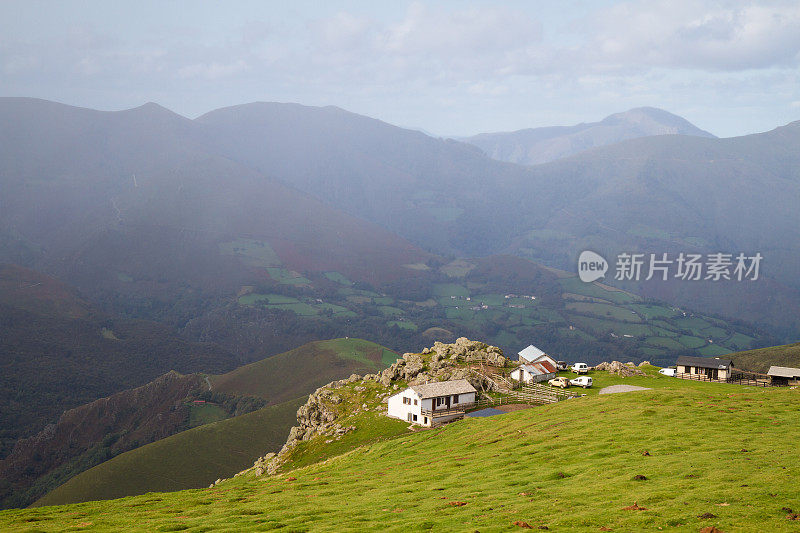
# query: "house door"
447,402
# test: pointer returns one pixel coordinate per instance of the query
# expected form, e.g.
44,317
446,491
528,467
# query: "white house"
433,403
530,354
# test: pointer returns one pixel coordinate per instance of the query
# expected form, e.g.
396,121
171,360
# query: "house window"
406,401
415,418
455,398
415,402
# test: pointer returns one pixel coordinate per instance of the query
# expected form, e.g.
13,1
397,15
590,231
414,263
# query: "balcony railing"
452,410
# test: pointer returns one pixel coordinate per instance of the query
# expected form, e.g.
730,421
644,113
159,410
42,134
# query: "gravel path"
621,388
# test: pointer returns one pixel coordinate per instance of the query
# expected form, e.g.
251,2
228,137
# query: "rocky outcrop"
469,351
620,369
441,362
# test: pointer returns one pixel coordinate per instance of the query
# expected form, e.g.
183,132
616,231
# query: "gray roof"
784,372
530,353
443,388
704,362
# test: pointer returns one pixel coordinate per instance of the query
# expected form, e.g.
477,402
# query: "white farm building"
433,403
536,366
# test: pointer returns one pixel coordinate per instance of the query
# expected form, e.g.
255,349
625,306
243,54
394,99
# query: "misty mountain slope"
95,194
540,145
401,179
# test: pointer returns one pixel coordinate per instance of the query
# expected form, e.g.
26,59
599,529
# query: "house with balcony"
432,404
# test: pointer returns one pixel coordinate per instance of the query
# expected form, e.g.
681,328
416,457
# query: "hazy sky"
448,67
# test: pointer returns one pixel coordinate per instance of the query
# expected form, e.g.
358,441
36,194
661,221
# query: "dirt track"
621,388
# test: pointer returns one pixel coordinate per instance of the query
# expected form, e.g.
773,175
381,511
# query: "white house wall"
398,409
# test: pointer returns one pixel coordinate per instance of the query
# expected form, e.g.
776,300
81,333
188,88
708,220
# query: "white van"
581,381
670,372
580,368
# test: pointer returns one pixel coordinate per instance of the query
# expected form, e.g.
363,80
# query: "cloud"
729,36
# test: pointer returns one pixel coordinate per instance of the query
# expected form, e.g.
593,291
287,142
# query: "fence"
737,379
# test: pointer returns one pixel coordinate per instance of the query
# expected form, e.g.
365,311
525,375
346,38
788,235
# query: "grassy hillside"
760,360
303,369
279,379
193,458
687,455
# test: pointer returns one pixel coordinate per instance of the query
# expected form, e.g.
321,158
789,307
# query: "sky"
449,68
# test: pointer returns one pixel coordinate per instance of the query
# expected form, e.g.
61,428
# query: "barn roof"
704,362
784,372
530,353
443,388
542,367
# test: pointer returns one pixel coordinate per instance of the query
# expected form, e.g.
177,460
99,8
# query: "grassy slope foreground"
193,458
720,455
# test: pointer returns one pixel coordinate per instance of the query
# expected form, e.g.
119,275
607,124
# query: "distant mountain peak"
540,145
656,118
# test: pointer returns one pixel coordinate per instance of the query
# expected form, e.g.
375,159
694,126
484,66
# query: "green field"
691,342
715,332
288,303
492,300
402,324
288,277
693,323
664,342
449,289
599,326
191,459
255,298
739,341
604,311
338,278
650,311
387,310
689,455
595,290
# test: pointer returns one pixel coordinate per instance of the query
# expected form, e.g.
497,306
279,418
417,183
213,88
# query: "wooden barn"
784,375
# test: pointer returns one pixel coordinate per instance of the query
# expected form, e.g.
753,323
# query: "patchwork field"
589,316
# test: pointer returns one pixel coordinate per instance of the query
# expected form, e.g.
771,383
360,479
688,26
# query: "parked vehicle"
562,365
581,381
667,372
580,368
560,381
